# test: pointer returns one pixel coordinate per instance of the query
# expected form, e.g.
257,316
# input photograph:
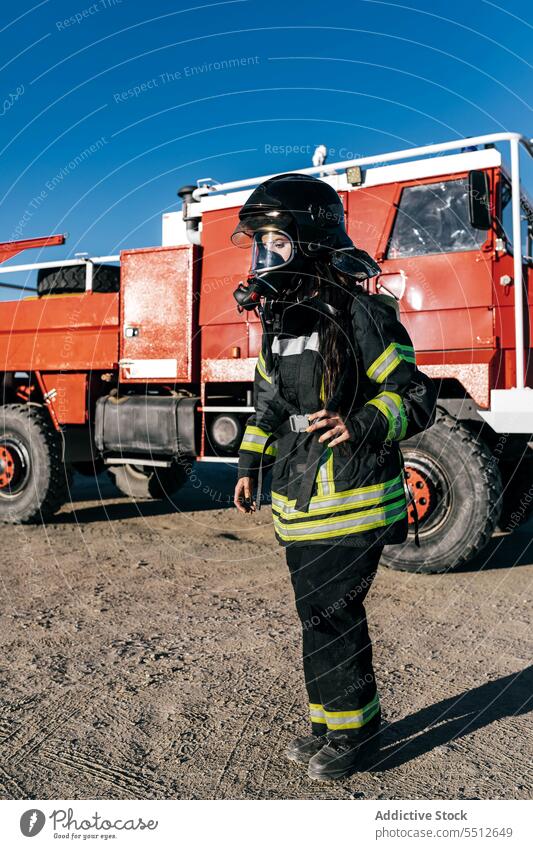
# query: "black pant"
330,585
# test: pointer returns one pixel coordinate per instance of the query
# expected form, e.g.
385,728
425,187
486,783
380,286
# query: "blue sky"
162,93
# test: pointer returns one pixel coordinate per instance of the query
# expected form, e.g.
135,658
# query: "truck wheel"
458,492
34,481
148,481
71,278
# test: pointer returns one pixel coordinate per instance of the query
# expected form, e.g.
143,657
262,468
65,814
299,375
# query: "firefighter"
329,389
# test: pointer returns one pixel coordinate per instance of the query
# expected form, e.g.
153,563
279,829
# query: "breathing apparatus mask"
275,261
290,223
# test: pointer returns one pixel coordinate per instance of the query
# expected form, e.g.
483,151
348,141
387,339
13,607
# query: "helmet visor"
271,250
243,234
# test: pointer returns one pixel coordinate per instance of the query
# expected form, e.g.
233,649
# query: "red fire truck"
141,364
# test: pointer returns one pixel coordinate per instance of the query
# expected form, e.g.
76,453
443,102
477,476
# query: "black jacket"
358,495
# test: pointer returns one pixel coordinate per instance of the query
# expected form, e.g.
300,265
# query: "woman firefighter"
333,392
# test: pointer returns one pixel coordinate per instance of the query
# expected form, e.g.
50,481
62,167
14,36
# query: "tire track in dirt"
125,780
55,716
12,788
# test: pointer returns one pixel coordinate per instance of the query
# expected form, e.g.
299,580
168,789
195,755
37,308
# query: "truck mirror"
479,200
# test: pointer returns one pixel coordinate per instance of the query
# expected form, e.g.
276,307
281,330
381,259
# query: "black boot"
343,754
302,749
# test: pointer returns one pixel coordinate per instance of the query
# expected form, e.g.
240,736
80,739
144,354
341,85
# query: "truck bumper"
511,411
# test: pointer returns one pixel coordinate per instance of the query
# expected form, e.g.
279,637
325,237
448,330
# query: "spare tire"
71,278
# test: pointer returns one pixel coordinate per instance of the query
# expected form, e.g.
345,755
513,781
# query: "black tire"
71,278
34,482
140,482
463,503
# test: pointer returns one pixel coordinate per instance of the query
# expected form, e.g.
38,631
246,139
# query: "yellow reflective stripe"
322,390
251,446
376,364
258,449
260,366
390,367
391,357
395,492
391,405
321,534
382,407
358,514
324,479
257,431
316,713
342,720
352,714
346,525
371,488
254,439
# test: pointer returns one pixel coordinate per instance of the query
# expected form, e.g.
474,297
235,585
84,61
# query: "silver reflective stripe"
318,504
289,347
396,509
383,366
316,713
351,717
254,437
323,474
394,409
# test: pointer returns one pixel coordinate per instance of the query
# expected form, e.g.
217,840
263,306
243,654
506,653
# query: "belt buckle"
298,422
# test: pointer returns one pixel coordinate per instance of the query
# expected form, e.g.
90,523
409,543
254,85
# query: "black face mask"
275,271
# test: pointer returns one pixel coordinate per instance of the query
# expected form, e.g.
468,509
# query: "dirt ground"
153,651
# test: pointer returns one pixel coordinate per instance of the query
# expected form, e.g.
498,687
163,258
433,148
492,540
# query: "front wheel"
457,488
34,482
140,482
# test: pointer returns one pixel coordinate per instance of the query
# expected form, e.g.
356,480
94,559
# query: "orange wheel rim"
420,491
7,467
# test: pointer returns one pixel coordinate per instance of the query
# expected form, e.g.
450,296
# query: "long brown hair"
334,331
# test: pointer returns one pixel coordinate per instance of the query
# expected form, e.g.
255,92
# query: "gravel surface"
153,651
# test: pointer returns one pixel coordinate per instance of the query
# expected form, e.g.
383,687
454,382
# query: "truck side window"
433,219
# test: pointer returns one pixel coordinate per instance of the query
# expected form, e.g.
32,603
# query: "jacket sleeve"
387,355
269,413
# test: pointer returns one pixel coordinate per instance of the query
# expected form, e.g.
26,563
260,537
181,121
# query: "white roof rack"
382,158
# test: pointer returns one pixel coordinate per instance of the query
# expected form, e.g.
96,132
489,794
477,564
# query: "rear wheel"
34,482
457,488
140,481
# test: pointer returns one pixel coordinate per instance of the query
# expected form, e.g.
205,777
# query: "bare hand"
243,497
337,432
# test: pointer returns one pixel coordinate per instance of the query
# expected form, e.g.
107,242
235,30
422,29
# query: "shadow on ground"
451,719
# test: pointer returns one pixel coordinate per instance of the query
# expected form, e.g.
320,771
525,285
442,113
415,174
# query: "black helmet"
311,213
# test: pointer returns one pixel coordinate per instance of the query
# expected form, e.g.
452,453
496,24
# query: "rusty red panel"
67,396
158,326
60,333
219,341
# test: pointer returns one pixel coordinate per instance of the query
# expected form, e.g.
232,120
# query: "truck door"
157,315
442,266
